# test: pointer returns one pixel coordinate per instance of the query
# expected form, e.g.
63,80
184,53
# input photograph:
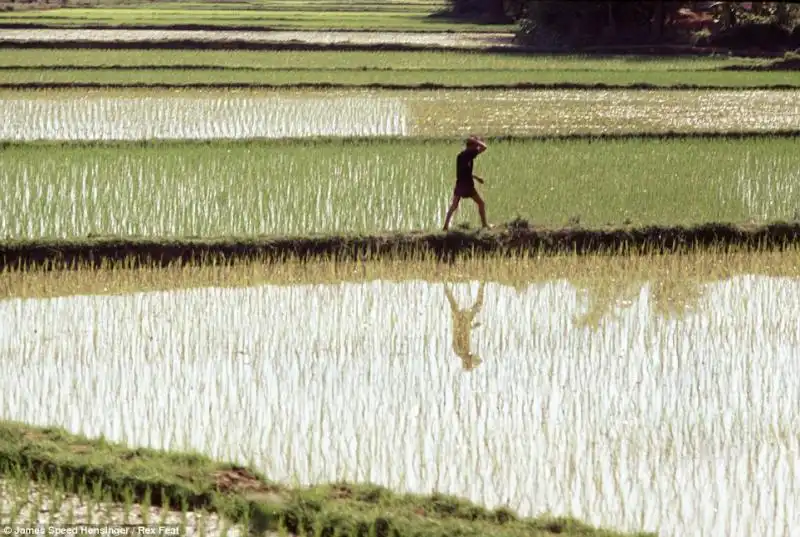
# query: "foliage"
565,25
557,24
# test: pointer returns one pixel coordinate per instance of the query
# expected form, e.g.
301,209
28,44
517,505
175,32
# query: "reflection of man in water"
462,327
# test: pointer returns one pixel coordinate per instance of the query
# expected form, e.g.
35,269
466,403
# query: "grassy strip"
512,239
392,61
188,481
438,70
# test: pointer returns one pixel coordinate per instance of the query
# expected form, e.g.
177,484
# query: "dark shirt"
464,163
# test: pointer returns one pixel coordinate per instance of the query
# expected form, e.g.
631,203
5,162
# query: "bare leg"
450,211
481,209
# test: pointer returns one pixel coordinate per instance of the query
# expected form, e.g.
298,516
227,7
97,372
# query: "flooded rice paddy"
683,422
170,115
193,114
475,40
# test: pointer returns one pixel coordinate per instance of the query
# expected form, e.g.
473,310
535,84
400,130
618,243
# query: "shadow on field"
516,238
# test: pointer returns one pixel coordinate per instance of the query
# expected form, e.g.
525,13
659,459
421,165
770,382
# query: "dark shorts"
465,190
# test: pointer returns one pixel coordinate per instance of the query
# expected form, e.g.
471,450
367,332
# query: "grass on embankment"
513,239
25,68
187,481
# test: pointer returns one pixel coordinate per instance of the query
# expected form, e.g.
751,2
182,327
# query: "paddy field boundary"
102,471
510,239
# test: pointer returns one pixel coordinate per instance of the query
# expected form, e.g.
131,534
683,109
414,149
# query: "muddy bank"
424,86
513,239
399,140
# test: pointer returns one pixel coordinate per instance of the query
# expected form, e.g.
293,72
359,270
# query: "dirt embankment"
513,239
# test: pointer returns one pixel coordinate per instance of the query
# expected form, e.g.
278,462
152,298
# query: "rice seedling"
224,116
682,381
305,187
48,505
193,114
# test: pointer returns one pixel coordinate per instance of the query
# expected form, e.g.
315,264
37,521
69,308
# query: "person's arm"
480,147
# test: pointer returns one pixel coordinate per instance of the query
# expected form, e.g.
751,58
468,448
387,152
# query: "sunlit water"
98,117
192,114
440,39
687,424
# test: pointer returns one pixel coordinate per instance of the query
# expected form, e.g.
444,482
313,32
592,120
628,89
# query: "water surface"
291,113
681,423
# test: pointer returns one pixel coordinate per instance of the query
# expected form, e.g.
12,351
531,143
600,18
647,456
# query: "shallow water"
437,39
193,114
685,424
161,115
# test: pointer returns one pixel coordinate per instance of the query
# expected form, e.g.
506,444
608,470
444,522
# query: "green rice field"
435,60
628,392
278,188
360,68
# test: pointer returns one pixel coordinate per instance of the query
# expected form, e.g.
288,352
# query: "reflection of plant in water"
463,323
670,294
675,297
603,296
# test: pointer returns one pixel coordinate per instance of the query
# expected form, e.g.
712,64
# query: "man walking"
465,180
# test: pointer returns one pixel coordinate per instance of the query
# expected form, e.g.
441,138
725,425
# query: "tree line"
565,24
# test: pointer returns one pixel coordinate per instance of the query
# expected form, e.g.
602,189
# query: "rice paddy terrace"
221,261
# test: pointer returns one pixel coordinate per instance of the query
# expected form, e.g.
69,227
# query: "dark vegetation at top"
559,25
